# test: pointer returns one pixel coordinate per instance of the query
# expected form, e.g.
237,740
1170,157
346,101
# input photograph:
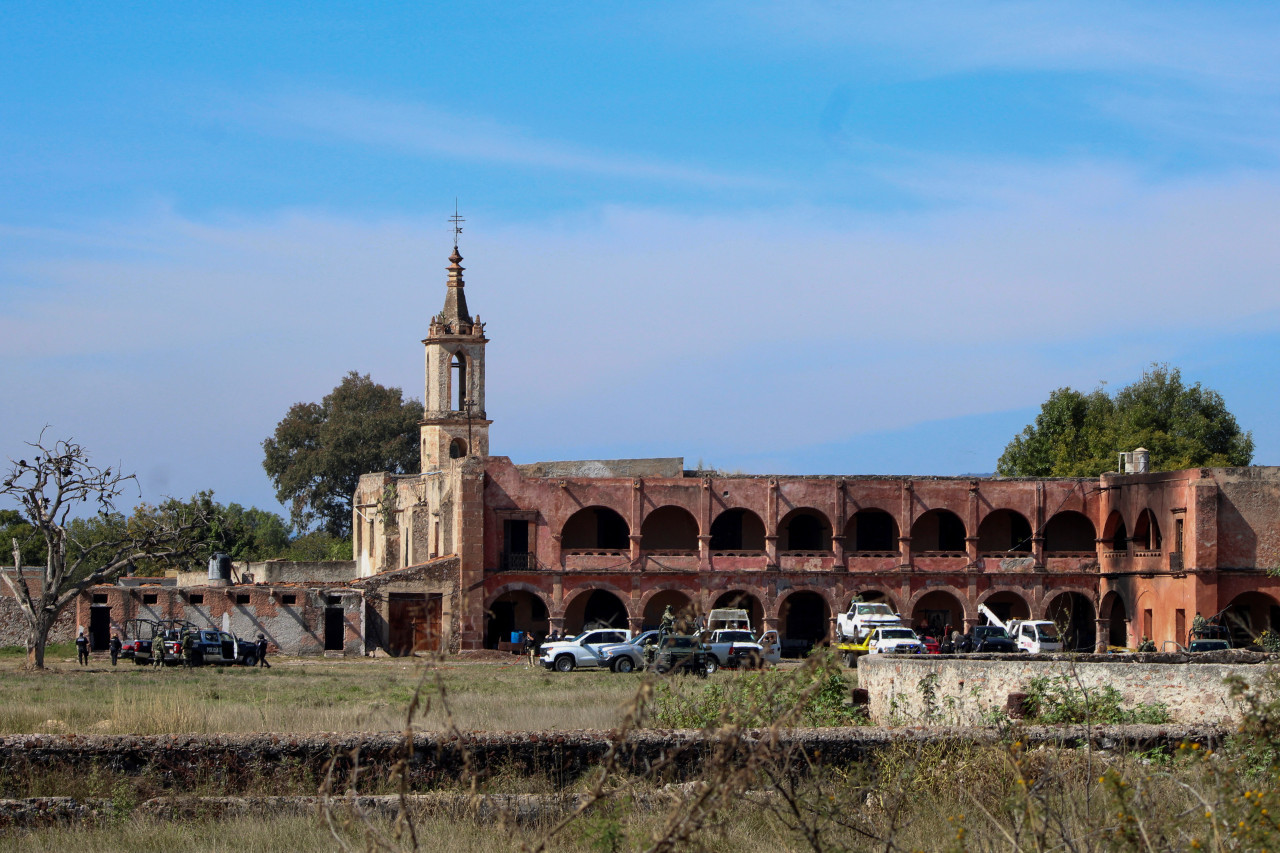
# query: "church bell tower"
454,425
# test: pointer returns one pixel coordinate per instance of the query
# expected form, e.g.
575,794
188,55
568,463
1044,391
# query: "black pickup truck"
681,653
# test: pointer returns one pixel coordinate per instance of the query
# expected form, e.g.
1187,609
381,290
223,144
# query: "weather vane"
457,223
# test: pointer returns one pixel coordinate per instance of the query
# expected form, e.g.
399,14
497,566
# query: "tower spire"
455,316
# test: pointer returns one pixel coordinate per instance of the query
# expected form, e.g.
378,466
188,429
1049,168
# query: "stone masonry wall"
968,688
13,624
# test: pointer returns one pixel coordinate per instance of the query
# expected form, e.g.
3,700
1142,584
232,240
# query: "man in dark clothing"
82,648
188,649
116,645
262,652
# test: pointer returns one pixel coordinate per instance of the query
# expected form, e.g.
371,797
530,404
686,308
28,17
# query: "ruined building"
476,547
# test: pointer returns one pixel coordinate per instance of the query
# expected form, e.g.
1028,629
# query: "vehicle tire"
251,659
565,663
624,664
141,661
850,660
712,666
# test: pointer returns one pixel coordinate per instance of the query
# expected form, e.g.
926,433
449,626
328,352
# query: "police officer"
116,645
262,652
82,648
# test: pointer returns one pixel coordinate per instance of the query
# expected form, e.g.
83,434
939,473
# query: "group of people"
186,642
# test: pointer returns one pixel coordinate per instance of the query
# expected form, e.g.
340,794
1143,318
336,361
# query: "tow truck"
1034,636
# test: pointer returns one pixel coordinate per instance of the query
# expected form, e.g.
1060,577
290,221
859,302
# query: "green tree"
1078,435
318,452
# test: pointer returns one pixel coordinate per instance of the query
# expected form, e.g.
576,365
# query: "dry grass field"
301,695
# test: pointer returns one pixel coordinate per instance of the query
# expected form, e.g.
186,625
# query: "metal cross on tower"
457,223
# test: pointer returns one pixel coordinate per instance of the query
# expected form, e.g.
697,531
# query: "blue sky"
797,238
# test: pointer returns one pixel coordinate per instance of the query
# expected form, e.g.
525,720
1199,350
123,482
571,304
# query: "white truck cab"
864,617
1034,636
581,651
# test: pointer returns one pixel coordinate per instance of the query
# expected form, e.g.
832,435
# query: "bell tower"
454,426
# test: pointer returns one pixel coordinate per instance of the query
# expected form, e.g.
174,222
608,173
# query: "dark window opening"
290,599
950,532
737,530
99,598
242,598
459,372
457,449
148,598
596,528
805,530
197,598
334,629
875,530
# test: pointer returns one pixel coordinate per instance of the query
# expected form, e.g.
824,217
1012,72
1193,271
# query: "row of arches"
802,617
1146,532
673,528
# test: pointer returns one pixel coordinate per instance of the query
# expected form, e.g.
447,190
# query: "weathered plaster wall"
1248,517
968,688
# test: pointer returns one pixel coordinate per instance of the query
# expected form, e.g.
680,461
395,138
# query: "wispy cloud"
428,131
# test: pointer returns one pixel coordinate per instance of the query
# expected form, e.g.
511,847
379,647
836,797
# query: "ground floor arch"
1115,616
937,611
1007,604
596,608
1073,613
516,610
743,600
682,607
1248,615
804,620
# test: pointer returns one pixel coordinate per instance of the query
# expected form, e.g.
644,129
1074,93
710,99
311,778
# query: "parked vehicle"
682,653
991,639
222,648
896,639
628,656
1035,636
737,648
1209,645
728,618
583,650
862,618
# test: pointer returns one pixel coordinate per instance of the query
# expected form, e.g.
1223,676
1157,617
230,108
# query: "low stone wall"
967,690
13,624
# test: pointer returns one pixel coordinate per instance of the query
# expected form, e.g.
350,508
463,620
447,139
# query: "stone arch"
748,601
804,619
938,530
936,609
1146,532
1072,611
804,529
682,605
1007,603
872,530
600,604
595,528
1004,531
1248,615
458,380
1115,613
1070,531
737,529
669,528
1114,533
875,594
511,608
457,449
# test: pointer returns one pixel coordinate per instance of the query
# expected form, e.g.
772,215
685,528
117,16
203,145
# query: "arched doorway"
595,528
804,529
1008,605
742,600
935,611
1070,531
737,530
1114,613
516,610
938,530
1004,531
597,608
804,619
681,605
669,529
1146,532
1248,615
1073,613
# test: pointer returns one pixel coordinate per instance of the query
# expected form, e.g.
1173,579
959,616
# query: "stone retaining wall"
965,690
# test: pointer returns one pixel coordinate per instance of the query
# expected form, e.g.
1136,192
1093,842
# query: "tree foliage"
1079,435
319,450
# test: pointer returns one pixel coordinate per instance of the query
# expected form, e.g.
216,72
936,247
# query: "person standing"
530,648
82,648
188,649
116,645
1199,627
262,652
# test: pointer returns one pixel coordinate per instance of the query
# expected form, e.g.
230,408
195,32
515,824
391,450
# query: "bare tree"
57,483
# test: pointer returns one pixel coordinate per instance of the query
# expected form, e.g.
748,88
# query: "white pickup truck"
734,647
581,651
1034,636
863,618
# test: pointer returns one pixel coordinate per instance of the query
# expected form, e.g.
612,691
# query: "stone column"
904,526
1037,529
1102,631
971,529
704,552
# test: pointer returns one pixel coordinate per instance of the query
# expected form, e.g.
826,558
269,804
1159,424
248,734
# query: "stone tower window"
457,449
458,373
